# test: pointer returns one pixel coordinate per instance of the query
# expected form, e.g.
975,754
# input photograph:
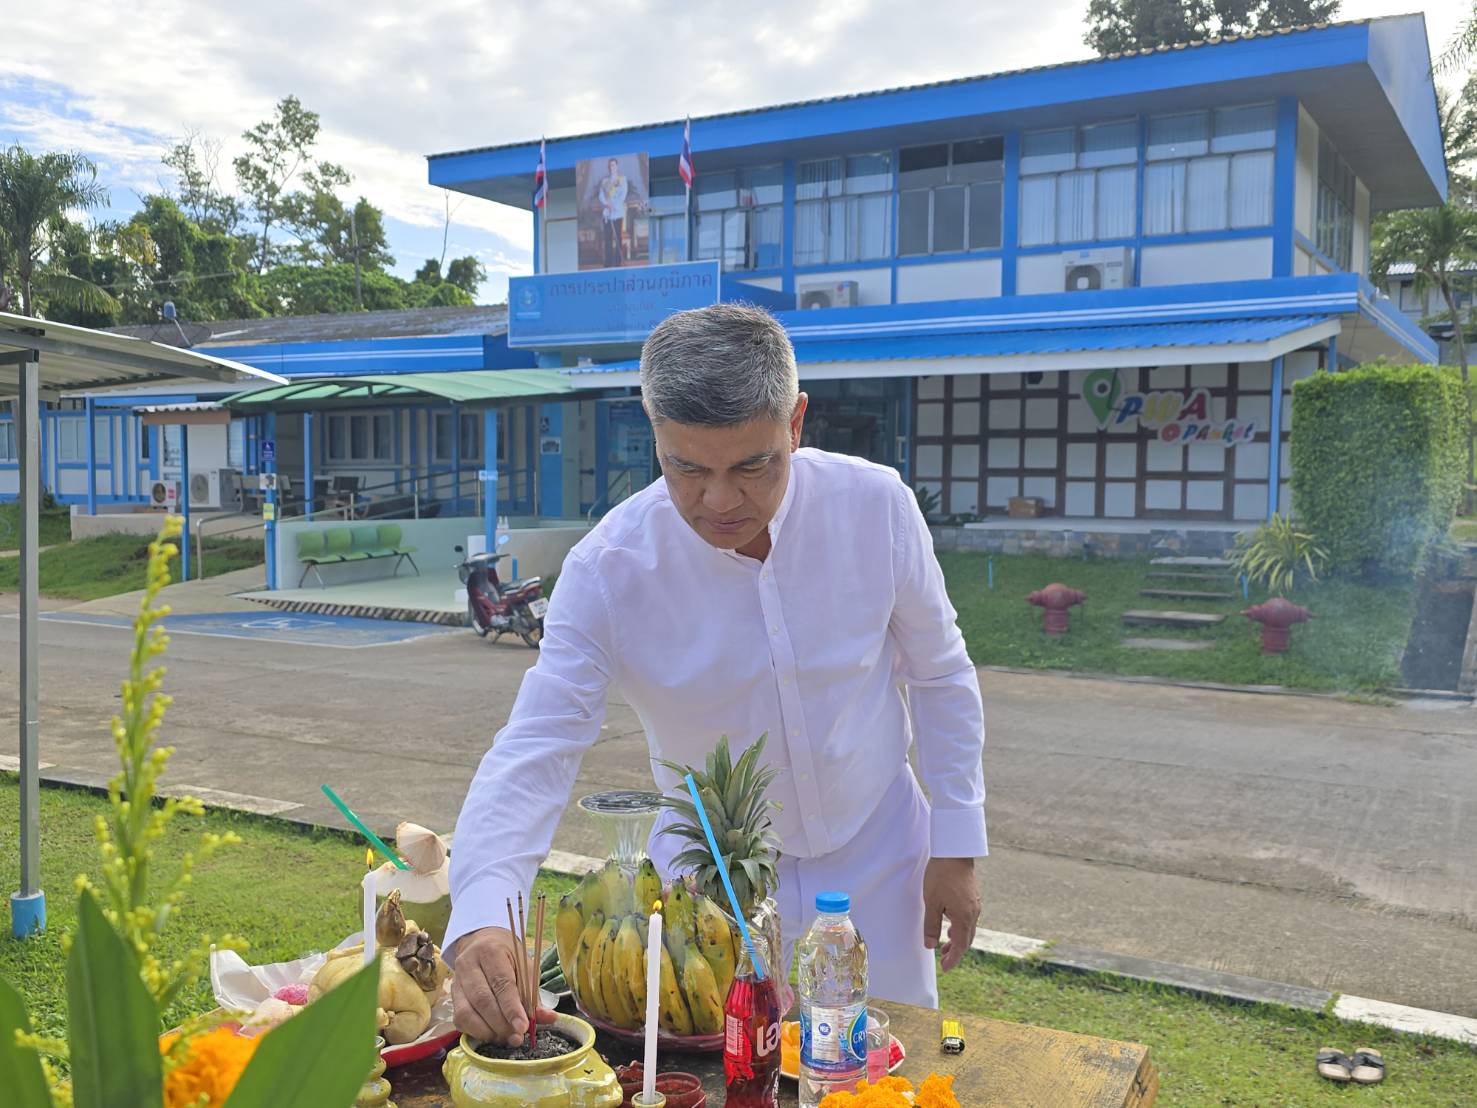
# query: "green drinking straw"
374,839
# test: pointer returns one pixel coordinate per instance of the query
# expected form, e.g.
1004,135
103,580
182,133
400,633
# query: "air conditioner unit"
1102,268
831,294
205,489
164,495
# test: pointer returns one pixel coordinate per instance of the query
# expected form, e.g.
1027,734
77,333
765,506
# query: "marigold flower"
208,1071
937,1091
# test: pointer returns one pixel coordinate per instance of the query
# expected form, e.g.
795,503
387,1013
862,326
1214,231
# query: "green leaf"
20,1066
112,1021
321,1057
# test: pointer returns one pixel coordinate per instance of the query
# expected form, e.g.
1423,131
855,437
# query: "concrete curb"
1191,979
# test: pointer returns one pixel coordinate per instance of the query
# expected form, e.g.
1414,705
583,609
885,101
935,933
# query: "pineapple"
733,797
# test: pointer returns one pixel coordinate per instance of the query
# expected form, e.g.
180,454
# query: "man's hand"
949,889
483,990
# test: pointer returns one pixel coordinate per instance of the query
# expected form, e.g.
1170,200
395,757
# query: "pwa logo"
1178,417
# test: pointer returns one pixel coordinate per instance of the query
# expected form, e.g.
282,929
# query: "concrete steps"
1146,617
1187,562
1186,594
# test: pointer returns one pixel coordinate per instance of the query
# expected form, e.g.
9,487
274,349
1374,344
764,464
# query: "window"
170,433
1209,171
740,217
1410,299
843,209
951,196
471,436
235,444
1335,221
668,220
7,440
1078,184
71,439
361,438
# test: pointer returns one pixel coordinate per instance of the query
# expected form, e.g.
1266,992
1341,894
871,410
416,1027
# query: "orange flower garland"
208,1071
897,1092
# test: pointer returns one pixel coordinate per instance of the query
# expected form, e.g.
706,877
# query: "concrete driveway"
1298,839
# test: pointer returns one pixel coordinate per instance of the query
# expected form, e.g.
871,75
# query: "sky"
394,81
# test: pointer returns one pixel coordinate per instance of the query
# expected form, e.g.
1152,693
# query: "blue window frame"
1210,171
950,196
1079,184
843,209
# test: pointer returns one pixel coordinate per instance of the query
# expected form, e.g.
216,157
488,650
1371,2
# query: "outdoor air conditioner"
1103,268
831,294
164,495
205,489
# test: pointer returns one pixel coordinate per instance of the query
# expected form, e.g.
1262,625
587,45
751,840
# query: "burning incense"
538,960
517,933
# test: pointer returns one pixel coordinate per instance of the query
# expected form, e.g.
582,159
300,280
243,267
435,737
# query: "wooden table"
1007,1065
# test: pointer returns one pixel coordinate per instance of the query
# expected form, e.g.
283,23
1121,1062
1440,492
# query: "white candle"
653,1003
368,885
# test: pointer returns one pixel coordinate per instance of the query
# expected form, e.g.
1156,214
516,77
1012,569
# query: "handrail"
610,491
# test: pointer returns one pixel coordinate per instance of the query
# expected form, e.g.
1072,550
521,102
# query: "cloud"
393,81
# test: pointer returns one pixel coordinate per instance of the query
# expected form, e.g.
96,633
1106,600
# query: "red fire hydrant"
1277,617
1054,601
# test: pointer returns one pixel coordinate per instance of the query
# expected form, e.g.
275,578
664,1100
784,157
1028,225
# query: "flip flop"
1367,1066
1335,1065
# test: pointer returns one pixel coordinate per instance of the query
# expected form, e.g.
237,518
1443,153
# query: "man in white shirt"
756,588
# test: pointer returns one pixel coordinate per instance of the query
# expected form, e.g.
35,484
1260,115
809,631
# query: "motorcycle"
516,607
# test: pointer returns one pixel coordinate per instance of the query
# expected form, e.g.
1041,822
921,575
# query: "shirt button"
774,630
805,777
794,734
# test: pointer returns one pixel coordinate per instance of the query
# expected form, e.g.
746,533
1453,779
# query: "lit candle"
653,1000
368,884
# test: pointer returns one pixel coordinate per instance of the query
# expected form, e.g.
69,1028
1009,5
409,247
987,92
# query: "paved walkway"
1295,839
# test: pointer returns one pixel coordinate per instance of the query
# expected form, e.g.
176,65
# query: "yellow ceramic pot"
580,1079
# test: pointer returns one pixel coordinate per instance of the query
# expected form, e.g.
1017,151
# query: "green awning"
478,388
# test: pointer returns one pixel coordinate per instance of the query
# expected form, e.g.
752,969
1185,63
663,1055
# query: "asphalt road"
1303,840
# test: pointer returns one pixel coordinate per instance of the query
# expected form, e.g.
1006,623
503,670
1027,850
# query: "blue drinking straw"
702,814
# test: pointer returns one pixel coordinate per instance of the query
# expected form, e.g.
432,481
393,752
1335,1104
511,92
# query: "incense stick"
523,956
517,961
538,954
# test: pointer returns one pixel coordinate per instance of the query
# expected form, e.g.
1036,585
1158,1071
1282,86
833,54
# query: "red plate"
413,1052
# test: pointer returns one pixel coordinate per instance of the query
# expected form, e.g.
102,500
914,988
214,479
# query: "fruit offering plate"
700,1044
790,1051
241,987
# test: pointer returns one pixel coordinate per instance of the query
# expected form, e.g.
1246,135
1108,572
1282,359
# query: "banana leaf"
112,1021
321,1057
20,1067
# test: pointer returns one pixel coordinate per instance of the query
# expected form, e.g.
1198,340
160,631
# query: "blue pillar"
1274,444
308,464
184,497
488,477
156,444
456,459
551,466
91,422
270,504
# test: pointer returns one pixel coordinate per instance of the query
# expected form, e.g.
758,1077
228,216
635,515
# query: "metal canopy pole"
184,499
489,478
28,907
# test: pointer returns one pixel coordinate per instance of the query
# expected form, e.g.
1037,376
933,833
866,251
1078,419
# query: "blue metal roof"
1060,340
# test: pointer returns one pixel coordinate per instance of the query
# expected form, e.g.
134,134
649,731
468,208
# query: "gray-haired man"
756,588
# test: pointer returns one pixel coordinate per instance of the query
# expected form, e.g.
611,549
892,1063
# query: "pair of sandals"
1365,1066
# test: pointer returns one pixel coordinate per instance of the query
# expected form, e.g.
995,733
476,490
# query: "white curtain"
810,232
1038,211
1164,198
1075,195
873,232
1116,191
1251,189
1205,206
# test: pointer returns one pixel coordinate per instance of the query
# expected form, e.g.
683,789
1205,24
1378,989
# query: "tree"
36,193
195,161
203,270
466,274
328,232
1119,26
1463,45
280,149
1440,243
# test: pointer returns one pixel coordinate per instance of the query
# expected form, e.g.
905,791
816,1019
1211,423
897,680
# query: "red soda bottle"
751,1036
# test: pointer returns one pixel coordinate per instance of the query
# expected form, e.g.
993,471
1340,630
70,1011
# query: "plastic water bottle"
833,1002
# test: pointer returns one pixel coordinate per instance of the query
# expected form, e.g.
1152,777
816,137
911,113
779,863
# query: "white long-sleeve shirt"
813,645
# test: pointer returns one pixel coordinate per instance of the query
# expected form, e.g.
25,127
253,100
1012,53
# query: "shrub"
1277,553
1378,456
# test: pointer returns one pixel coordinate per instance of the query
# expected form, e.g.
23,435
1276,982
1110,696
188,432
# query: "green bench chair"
336,545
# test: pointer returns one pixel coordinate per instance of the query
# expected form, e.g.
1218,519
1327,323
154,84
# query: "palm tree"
1441,243
36,195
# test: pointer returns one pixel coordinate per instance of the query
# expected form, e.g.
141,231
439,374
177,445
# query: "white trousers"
881,869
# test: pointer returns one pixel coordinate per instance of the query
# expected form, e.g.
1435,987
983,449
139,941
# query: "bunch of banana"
600,935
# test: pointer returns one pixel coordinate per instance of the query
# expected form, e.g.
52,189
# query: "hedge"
1378,458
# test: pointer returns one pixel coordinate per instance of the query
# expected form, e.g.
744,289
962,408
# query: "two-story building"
1090,284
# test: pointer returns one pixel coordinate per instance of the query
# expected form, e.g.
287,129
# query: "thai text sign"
1177,415
605,305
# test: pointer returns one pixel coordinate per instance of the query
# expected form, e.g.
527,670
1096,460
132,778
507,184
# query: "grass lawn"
110,564
56,526
1355,641
1464,530
289,892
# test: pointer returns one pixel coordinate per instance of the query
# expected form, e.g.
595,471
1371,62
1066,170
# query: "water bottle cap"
832,903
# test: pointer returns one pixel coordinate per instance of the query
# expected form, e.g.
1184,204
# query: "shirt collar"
784,509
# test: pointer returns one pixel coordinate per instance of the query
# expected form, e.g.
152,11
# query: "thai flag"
685,168
540,179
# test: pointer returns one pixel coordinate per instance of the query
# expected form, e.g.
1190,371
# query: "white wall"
874,286
978,277
772,283
1360,259
1194,262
